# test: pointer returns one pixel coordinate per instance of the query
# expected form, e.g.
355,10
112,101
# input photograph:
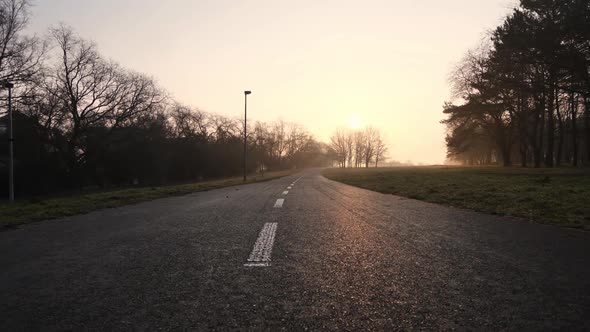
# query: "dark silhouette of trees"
83,121
525,91
338,144
20,56
92,98
357,148
381,149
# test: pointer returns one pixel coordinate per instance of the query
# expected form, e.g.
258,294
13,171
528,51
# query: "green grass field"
558,196
54,207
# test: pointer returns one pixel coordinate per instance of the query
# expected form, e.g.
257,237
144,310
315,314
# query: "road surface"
326,257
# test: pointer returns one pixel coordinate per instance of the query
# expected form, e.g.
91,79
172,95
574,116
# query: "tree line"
81,120
358,148
525,93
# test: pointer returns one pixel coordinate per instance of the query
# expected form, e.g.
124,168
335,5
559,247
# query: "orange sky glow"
322,64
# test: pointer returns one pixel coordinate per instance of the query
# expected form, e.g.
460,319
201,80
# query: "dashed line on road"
254,264
260,255
262,251
279,203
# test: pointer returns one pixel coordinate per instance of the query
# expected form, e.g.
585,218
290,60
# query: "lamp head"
247,92
6,85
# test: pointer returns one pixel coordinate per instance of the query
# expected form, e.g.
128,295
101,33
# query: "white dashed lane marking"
262,251
260,255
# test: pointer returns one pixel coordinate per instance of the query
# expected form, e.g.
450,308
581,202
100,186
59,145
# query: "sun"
354,122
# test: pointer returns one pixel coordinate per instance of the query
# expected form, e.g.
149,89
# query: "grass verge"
20,213
557,196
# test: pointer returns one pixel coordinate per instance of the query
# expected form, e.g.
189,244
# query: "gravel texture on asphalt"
343,259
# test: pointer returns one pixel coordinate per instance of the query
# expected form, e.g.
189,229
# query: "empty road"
301,252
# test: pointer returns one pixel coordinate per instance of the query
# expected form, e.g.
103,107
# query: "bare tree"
20,56
380,149
188,122
349,143
359,147
371,139
297,139
91,92
223,128
338,144
279,140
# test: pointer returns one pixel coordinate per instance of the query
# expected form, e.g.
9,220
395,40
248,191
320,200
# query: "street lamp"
246,93
9,86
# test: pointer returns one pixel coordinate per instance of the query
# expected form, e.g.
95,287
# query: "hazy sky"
321,63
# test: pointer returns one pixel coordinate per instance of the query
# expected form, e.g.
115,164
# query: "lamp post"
9,86
246,93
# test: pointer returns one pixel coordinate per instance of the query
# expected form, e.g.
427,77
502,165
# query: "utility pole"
246,93
9,86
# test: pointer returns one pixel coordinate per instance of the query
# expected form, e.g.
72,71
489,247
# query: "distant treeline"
81,120
526,92
358,148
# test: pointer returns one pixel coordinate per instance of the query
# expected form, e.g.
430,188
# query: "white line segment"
285,192
279,203
257,264
260,255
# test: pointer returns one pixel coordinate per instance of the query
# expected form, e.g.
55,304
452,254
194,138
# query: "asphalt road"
342,258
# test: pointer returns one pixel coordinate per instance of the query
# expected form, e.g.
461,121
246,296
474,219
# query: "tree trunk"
539,132
587,123
550,126
523,156
523,132
72,159
506,157
574,113
561,127
506,150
